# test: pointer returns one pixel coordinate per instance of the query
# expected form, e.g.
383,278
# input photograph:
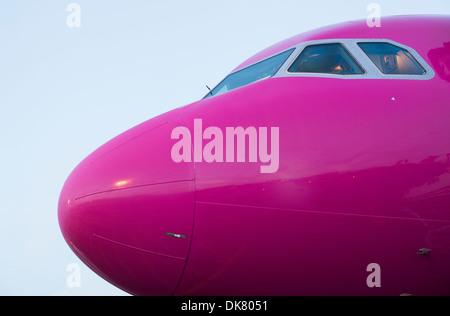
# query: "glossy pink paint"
364,177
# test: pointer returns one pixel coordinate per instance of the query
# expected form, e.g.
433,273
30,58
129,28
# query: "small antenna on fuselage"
210,91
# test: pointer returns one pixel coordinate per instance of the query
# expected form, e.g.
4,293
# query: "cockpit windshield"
327,59
262,70
391,59
334,58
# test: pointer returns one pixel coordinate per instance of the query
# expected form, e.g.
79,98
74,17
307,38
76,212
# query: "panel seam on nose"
132,187
138,249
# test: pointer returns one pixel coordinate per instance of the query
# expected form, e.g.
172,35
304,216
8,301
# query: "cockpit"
345,59
326,58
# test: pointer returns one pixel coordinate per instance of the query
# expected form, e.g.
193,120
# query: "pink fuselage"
363,177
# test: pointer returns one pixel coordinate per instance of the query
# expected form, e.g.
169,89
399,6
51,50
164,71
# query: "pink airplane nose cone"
127,211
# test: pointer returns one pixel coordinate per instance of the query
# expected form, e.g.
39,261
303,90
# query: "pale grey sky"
66,91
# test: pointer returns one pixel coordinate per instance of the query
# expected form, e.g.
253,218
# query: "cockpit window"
391,59
256,72
326,59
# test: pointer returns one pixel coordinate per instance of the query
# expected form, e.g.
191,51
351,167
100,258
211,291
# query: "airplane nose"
127,211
